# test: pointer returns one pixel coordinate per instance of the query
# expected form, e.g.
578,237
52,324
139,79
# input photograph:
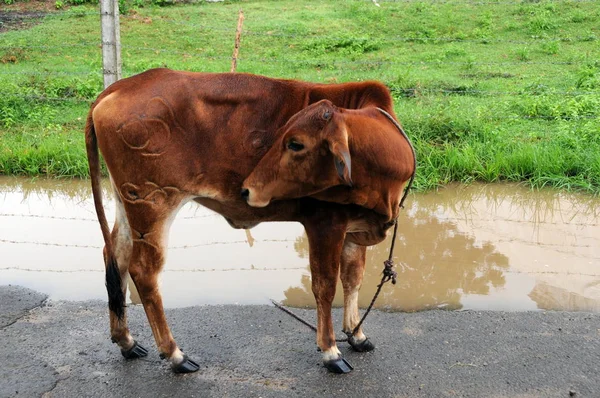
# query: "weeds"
345,45
588,77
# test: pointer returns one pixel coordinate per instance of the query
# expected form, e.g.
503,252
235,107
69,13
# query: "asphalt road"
63,349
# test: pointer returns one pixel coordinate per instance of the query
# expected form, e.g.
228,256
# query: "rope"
388,270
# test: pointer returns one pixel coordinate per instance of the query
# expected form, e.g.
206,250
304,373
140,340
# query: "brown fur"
169,137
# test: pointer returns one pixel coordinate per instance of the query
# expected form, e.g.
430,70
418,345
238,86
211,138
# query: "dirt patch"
24,14
19,20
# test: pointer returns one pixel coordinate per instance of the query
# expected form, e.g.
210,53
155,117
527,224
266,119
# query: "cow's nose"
245,193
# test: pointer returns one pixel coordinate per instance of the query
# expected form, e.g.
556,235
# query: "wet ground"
481,247
62,349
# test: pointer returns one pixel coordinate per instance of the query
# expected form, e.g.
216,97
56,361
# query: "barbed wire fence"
228,33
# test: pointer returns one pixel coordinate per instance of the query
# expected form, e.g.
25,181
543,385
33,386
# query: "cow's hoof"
186,366
339,365
363,346
137,351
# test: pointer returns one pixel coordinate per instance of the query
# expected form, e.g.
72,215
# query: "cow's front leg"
326,239
351,274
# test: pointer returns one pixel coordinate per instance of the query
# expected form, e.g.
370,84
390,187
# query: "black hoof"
363,346
186,366
339,365
137,351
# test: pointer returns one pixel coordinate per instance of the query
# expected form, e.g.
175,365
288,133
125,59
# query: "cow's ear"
342,160
337,138
343,166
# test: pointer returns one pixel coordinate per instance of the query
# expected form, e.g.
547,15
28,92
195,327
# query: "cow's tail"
116,298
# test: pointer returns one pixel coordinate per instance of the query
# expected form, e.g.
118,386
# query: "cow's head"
310,155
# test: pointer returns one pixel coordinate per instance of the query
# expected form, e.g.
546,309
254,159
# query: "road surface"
63,349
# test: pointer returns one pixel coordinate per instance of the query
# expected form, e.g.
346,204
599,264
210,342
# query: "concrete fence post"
111,41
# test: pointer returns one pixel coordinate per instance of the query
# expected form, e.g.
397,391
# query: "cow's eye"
295,146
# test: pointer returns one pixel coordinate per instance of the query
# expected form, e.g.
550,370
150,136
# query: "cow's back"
221,102
188,128
205,131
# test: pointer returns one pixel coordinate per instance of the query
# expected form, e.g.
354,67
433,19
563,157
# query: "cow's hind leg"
326,238
122,244
351,274
150,226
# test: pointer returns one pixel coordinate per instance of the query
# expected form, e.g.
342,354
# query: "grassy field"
487,90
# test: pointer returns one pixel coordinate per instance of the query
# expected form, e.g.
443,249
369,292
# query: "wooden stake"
236,48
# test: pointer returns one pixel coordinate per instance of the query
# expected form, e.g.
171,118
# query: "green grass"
488,91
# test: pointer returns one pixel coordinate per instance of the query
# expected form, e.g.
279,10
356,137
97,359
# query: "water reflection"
499,247
437,264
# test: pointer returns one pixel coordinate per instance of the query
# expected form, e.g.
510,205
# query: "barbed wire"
165,270
27,242
78,246
262,269
533,222
66,271
417,90
333,62
88,219
543,244
51,73
236,242
304,60
175,52
495,117
46,47
404,92
365,62
495,219
47,217
435,39
566,273
582,118
46,98
18,16
313,61
442,39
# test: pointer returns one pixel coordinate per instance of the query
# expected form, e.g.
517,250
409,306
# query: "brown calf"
171,137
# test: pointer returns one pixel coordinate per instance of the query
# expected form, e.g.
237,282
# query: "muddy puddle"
483,247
